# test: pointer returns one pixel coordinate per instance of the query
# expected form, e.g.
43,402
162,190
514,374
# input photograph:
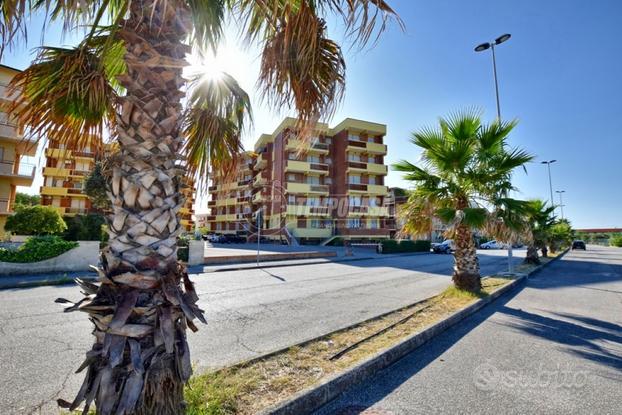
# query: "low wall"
76,259
196,253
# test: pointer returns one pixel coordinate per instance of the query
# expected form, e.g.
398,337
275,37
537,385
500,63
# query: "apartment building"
64,174
13,147
332,186
231,204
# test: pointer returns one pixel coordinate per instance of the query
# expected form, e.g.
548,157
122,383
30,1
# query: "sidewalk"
554,347
25,281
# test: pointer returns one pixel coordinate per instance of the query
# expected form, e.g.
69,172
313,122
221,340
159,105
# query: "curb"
315,397
271,264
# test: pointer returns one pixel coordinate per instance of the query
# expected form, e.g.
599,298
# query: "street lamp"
561,201
548,163
491,45
480,48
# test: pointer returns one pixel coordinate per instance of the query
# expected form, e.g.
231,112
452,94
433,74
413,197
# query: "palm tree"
126,77
463,174
539,218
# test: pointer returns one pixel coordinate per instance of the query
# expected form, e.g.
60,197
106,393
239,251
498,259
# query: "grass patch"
253,386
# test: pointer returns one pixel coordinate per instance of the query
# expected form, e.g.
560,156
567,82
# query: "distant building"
13,172
64,174
331,187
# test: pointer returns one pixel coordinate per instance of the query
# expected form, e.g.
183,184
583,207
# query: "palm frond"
217,113
207,18
66,94
13,15
302,68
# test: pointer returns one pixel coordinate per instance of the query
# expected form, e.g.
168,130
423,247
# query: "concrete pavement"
554,347
249,313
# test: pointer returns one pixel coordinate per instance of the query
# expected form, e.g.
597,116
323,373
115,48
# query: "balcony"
211,203
226,202
56,172
370,168
365,147
305,188
302,210
22,175
61,191
306,167
372,189
316,148
368,211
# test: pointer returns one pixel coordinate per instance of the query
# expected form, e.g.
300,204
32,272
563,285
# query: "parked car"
578,244
493,245
234,239
444,247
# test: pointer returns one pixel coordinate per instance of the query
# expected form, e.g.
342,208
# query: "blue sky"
559,76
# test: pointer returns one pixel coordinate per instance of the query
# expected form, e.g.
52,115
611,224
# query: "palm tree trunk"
532,255
466,268
140,360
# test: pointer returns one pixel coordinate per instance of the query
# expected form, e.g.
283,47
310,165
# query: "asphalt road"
554,347
249,313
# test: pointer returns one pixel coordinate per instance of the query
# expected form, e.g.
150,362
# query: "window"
292,156
371,180
354,179
328,180
354,157
370,139
313,159
291,199
315,223
313,201
313,180
77,185
354,223
371,159
291,177
1,153
353,137
373,224
328,160
328,140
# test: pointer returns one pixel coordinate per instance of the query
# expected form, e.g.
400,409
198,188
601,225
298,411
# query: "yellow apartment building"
13,172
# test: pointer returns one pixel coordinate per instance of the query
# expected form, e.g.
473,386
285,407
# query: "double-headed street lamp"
561,201
548,164
491,45
480,48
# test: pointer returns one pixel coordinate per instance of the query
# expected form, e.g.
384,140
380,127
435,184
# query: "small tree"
560,235
24,199
84,227
35,220
95,186
539,218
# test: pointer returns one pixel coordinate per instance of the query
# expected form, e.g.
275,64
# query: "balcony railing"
7,168
357,186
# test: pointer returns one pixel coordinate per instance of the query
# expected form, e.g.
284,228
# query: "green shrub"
616,240
35,220
37,248
390,246
183,250
84,227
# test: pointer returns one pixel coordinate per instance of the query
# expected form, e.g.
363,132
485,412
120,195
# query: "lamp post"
491,45
548,164
561,201
481,48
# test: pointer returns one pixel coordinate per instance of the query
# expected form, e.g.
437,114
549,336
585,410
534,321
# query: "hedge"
37,248
616,240
390,246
